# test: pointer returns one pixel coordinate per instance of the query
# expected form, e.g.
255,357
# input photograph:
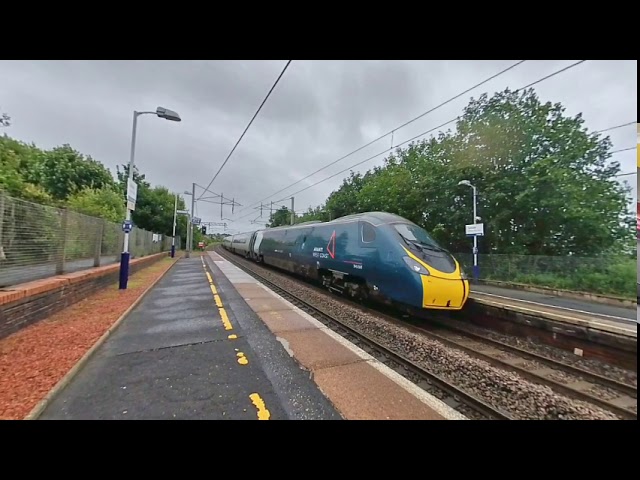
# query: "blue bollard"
173,251
124,270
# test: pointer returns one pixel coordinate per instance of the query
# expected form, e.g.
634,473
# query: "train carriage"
373,255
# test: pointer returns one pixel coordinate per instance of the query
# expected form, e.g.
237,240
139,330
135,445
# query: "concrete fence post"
63,242
98,250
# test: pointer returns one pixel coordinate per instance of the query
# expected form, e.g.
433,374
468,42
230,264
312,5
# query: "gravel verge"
594,366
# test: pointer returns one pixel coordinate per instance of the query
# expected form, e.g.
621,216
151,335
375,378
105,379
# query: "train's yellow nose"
444,293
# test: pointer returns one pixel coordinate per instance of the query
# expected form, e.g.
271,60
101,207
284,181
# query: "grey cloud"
319,111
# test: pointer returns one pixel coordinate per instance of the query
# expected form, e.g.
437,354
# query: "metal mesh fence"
39,241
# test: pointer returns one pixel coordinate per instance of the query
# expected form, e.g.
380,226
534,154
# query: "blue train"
377,256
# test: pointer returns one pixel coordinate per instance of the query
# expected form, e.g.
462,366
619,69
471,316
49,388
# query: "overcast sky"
319,111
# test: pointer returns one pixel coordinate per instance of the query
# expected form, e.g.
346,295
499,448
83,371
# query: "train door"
256,246
301,249
369,249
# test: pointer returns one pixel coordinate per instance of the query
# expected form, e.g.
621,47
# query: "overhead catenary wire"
557,72
427,132
250,122
614,128
575,64
622,150
393,130
386,150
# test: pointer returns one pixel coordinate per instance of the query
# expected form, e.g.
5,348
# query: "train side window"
368,233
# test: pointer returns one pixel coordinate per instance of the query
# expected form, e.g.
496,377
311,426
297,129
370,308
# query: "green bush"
600,275
618,280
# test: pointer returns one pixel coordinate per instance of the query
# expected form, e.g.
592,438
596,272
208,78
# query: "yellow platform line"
256,399
263,411
225,319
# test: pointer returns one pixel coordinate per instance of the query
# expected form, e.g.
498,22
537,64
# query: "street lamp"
173,238
132,189
189,225
175,215
475,236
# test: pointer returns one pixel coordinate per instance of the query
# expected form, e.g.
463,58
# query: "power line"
392,131
382,153
429,131
552,75
613,128
245,130
413,138
623,150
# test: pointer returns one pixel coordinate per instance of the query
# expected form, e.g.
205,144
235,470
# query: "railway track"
448,393
569,380
617,397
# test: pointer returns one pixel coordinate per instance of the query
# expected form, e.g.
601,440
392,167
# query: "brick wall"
27,303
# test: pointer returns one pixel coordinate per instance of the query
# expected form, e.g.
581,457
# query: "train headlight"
415,266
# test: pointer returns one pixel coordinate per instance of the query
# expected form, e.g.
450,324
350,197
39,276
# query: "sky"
320,111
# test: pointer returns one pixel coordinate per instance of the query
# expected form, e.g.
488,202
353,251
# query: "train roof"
373,217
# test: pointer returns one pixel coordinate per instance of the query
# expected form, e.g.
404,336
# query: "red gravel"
33,360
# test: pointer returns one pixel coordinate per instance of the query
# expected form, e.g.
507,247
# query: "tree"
280,217
546,185
16,164
345,200
64,171
154,206
5,120
104,203
317,214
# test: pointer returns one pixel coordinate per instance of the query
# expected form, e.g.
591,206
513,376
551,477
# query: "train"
373,256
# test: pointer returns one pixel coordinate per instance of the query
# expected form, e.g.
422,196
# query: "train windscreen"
413,233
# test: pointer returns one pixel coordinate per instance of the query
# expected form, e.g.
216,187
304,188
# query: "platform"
598,316
172,358
210,342
358,385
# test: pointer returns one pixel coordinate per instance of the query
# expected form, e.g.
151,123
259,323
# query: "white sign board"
475,229
182,212
132,190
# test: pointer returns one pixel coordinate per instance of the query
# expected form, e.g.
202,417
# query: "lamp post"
190,222
476,270
132,190
173,239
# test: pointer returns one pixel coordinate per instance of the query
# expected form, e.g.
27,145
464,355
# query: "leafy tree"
154,206
345,200
314,214
280,217
16,159
104,203
545,184
64,171
5,120
10,178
